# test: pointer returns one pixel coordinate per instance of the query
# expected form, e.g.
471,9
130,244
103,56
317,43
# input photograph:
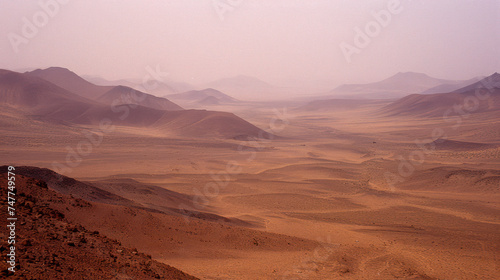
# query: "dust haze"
244,139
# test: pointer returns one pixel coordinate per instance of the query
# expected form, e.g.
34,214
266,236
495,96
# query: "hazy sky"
278,41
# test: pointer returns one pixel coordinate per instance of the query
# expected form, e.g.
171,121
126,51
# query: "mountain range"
479,97
58,95
397,86
208,96
418,104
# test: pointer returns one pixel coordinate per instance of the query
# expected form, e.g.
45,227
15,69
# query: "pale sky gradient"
279,41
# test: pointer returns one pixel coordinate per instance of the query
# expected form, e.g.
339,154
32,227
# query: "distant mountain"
70,81
207,96
436,105
399,85
45,101
158,88
35,96
48,102
444,88
490,82
96,80
120,95
210,101
116,95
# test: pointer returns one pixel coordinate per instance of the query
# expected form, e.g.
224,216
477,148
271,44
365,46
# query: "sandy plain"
312,202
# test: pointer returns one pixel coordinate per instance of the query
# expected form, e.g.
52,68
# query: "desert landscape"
342,188
212,172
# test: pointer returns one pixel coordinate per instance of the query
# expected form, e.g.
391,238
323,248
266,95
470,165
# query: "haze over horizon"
250,139
285,43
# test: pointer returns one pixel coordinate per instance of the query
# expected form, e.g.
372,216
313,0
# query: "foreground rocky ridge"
48,246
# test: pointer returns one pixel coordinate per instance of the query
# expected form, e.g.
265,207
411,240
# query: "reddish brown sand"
312,204
50,247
